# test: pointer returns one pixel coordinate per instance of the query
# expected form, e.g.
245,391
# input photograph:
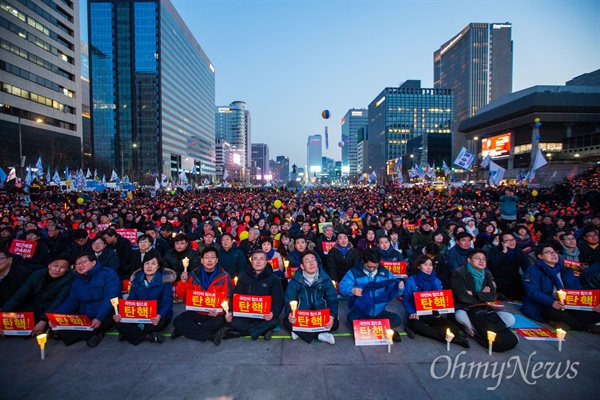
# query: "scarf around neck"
426,282
477,277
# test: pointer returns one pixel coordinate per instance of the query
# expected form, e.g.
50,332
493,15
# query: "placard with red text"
291,271
24,248
274,263
311,320
326,246
537,334
581,299
438,300
137,311
17,323
251,306
370,332
397,268
198,300
574,265
69,322
129,234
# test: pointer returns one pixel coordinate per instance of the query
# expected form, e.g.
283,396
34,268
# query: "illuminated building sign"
357,113
496,146
381,100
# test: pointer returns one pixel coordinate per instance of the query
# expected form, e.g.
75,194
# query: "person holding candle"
341,258
258,281
152,282
313,290
231,258
542,281
423,279
173,258
209,277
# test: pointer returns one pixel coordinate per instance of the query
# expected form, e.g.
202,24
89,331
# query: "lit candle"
560,334
225,306
491,336
41,339
294,306
186,263
235,279
334,284
562,295
115,303
449,338
389,333
286,263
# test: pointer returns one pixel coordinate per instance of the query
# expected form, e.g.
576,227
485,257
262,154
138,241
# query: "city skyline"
290,60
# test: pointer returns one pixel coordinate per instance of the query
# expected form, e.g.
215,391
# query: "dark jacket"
77,250
587,254
338,263
390,254
41,293
160,289
319,296
10,284
421,238
233,260
505,269
40,258
124,252
463,281
90,294
161,245
173,260
109,258
248,247
440,267
539,287
59,245
319,246
457,257
263,284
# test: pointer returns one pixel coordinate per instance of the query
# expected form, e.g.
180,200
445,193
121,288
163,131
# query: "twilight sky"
289,60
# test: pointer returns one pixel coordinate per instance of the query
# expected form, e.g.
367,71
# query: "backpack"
484,319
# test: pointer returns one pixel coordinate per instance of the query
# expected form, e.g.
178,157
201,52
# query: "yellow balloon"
244,235
277,203
80,200
460,208
532,218
534,193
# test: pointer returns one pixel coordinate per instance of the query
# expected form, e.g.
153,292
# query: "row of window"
13,69
17,91
550,147
49,17
35,59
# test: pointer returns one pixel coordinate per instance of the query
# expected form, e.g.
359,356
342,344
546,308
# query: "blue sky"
289,60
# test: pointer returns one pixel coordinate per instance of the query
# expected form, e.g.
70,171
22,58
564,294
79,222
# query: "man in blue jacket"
508,208
91,291
370,287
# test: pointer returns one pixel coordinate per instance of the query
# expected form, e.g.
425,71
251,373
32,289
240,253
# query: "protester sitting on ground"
258,281
181,250
43,291
58,242
457,255
231,258
507,263
41,255
474,285
144,243
273,257
327,237
523,237
92,288
158,242
367,242
313,289
423,279
13,275
422,235
208,277
105,256
341,258
123,249
152,282
300,246
251,243
438,260
81,243
541,302
370,287
438,238
385,250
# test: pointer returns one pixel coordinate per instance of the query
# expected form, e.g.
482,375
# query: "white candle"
491,337
560,334
115,303
186,263
225,306
389,333
449,338
294,306
41,339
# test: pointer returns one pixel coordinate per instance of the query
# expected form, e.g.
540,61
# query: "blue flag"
3,177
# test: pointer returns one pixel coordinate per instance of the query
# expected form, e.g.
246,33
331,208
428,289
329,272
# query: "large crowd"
306,250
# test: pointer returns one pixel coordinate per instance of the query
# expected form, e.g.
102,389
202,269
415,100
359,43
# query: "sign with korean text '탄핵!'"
199,300
69,322
137,311
311,320
397,268
581,299
370,332
251,306
437,300
24,248
17,323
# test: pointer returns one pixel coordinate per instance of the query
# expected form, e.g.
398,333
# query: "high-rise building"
260,160
351,122
152,90
477,65
400,114
284,168
40,83
233,124
362,150
314,151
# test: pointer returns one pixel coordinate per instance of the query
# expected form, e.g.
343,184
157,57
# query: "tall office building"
400,114
314,152
152,90
40,83
284,168
351,123
260,160
477,65
233,124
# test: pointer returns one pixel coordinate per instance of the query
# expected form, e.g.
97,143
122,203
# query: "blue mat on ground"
523,323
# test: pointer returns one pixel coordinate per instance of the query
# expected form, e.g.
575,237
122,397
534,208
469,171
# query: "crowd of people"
311,247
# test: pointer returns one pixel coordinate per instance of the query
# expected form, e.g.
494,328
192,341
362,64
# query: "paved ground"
286,369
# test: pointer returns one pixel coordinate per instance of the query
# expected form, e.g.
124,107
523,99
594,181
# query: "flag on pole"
486,161
104,179
464,159
430,172
56,177
88,174
127,180
414,172
496,173
67,173
225,175
361,178
114,176
156,184
447,170
11,175
3,177
539,161
39,167
183,177
95,174
48,175
372,177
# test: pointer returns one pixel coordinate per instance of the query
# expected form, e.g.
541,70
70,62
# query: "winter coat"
263,284
587,254
504,269
463,281
319,246
233,260
173,260
338,263
410,288
10,284
124,251
421,238
457,257
160,289
319,296
221,284
109,259
508,207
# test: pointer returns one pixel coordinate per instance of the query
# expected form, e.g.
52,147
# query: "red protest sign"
17,323
137,311
370,332
69,322
126,287
397,268
311,320
129,234
291,271
251,306
274,263
24,248
574,265
438,300
102,227
537,334
199,300
581,299
326,246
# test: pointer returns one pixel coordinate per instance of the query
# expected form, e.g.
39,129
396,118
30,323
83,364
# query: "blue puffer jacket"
356,277
539,287
410,288
390,254
160,289
90,294
319,296
508,205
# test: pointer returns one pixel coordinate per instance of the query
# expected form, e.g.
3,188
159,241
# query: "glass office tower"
152,90
351,123
400,114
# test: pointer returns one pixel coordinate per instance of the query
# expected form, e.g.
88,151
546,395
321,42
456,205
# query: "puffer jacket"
319,296
160,289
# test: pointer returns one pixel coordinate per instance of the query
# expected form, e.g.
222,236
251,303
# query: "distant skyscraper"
477,65
233,124
284,163
400,114
152,89
314,151
260,158
352,121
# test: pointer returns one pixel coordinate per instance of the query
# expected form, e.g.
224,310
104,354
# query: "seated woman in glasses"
542,281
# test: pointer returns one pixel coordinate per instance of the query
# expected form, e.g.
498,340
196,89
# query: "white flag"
486,161
496,173
89,174
11,175
464,159
183,177
540,161
156,184
114,176
554,175
56,177
225,175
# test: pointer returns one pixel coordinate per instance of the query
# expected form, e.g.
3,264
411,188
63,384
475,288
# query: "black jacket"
172,260
59,245
263,284
10,284
337,264
124,251
463,281
504,269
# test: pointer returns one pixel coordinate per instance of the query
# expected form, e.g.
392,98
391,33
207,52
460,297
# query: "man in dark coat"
13,274
123,248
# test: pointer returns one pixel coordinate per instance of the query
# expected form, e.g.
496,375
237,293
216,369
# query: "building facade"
40,84
152,91
233,124
400,114
314,152
260,160
477,65
351,123
283,169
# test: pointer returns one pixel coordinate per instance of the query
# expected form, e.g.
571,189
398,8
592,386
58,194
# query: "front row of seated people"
369,287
